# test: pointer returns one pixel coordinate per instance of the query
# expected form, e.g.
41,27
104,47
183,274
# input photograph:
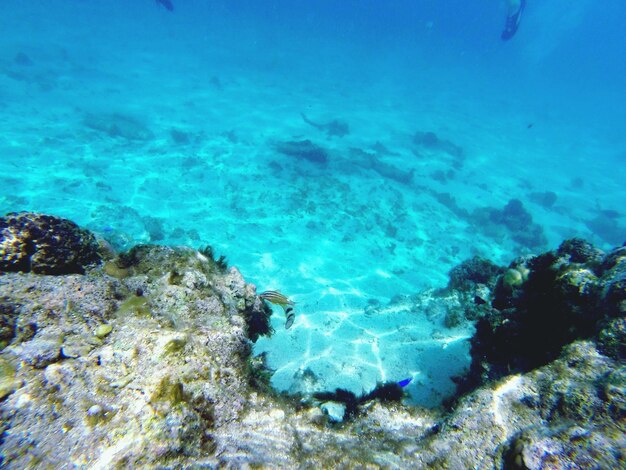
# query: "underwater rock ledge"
143,360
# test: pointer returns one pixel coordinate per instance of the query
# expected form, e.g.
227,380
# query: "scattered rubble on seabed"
144,360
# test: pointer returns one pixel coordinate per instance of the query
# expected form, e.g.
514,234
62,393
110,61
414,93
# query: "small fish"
291,316
277,298
405,382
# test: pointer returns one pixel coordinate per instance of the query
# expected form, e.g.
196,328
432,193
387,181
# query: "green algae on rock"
103,330
138,305
8,381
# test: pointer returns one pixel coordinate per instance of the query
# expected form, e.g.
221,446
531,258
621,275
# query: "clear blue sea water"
151,126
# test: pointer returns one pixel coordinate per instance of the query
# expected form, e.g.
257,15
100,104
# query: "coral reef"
45,244
429,143
607,226
303,150
546,199
371,161
154,227
145,361
550,301
474,271
430,140
449,201
118,125
513,219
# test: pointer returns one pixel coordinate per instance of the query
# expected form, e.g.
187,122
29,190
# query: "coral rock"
45,244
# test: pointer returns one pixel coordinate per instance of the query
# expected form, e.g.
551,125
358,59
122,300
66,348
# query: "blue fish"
405,382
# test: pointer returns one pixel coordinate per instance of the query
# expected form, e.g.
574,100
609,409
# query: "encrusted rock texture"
143,360
45,244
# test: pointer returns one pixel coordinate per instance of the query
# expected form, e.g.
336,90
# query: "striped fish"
291,316
277,298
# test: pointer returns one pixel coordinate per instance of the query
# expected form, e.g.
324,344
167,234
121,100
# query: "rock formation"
144,360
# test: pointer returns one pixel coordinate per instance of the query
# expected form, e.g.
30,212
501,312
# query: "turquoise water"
149,126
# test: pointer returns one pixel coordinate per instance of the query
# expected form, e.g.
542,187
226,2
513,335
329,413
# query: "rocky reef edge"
143,359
